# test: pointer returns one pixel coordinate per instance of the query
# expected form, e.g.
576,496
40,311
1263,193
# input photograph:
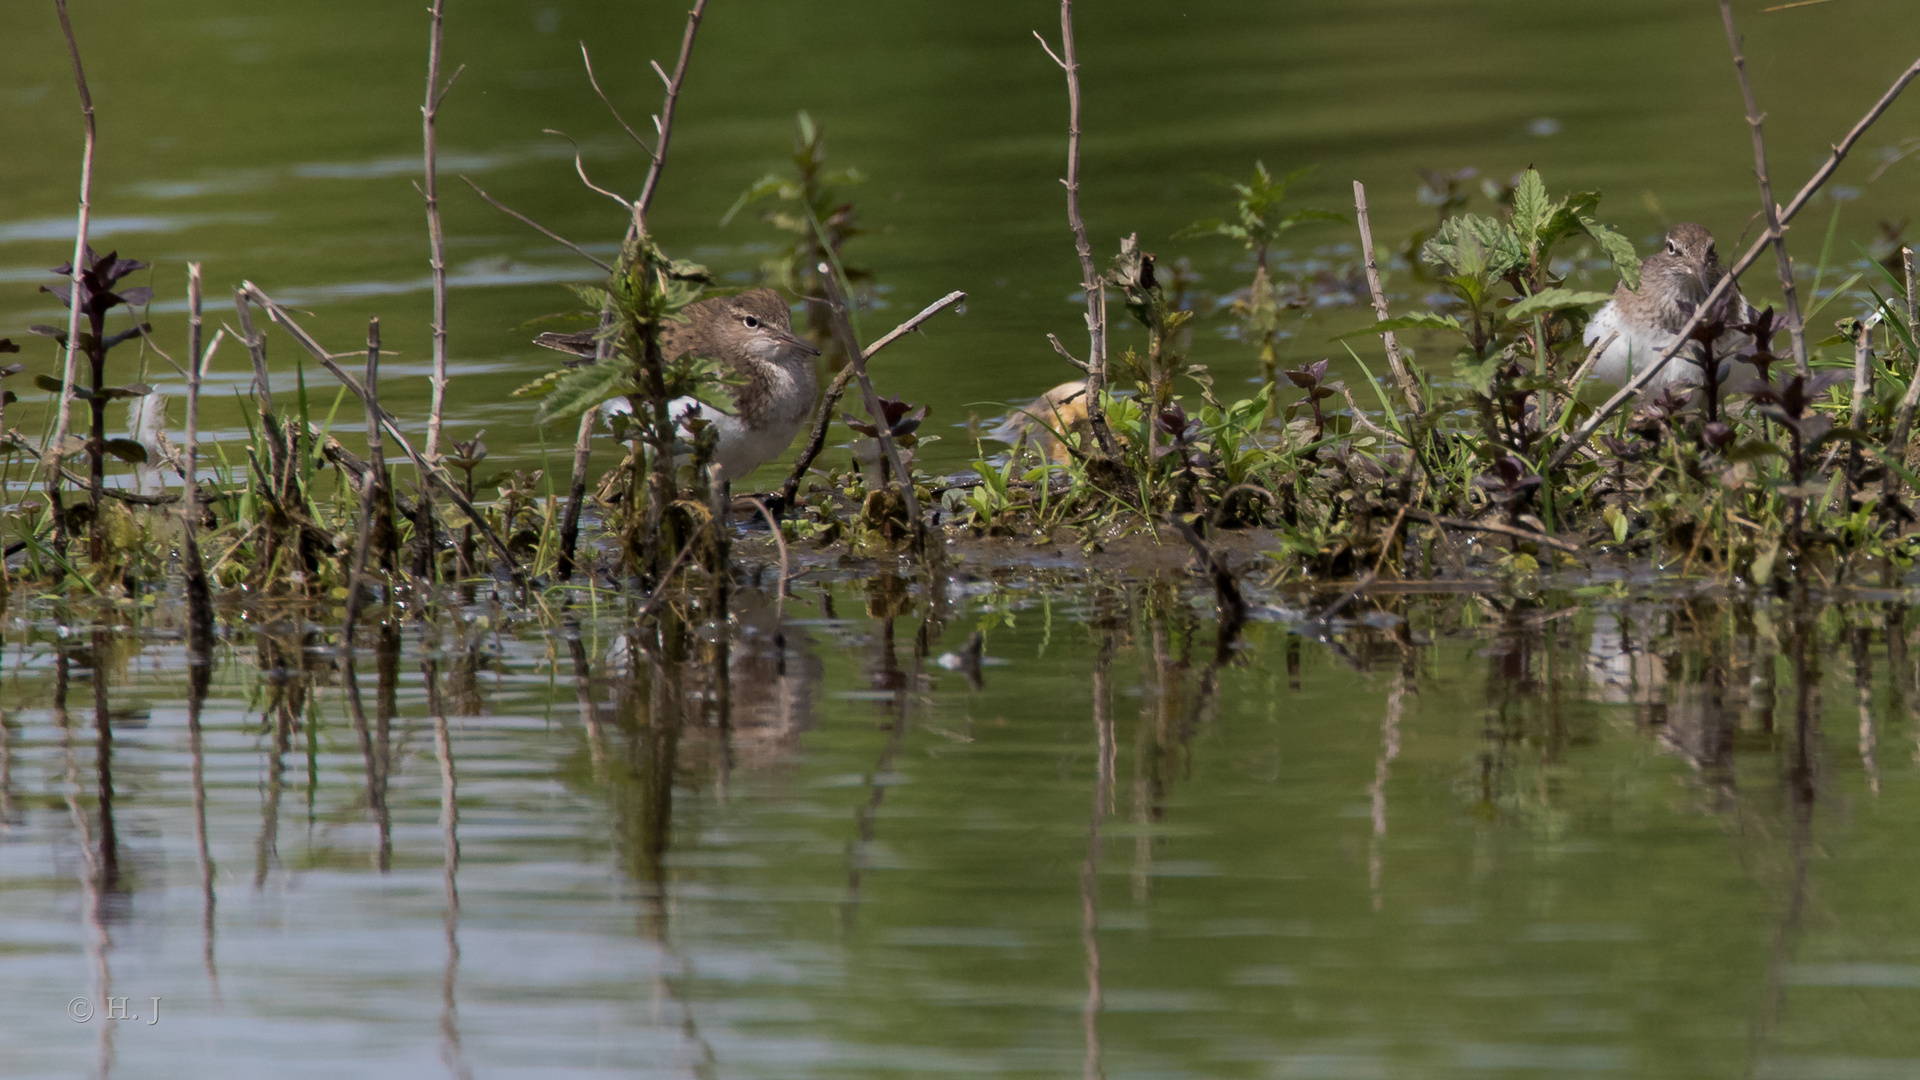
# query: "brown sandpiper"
774,386
1644,322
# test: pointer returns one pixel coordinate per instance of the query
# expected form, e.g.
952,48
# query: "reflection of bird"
774,383
1646,320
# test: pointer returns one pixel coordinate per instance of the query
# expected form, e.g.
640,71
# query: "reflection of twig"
1090,867
197,677
99,938
450,1052
866,819
1389,750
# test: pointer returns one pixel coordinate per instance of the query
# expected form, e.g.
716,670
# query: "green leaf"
1475,246
1531,210
1618,248
583,388
1553,300
128,451
48,383
1428,321
769,184
543,385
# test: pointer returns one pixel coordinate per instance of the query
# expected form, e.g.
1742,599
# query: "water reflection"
754,824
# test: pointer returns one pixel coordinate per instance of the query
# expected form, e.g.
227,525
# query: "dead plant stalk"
1776,233
436,238
1069,60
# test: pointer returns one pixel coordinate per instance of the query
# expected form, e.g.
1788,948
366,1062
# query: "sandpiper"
1643,323
752,334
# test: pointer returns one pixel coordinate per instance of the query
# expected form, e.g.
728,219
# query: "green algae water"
1454,836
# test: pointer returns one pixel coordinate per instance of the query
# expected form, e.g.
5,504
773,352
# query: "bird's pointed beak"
802,344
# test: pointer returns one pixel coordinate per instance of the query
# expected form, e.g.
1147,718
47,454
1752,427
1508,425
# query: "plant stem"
1775,231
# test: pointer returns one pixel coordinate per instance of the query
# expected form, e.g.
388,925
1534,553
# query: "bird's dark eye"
1673,248
752,323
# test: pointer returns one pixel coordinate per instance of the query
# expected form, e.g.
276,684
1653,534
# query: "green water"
281,147
1462,837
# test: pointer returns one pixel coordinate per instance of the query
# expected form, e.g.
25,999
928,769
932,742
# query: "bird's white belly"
741,448
1635,349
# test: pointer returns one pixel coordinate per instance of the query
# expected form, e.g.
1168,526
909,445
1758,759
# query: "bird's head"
757,324
1688,264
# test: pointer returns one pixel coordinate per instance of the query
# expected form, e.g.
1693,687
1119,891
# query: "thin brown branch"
436,237
823,415
857,363
576,495
587,59
1820,177
1064,354
1494,527
428,469
79,249
1090,278
663,122
1796,329
1409,387
536,226
580,168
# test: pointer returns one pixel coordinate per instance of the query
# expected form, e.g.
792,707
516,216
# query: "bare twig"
1680,339
580,169
663,121
857,363
823,416
537,227
436,238
1096,366
75,300
369,485
428,469
1064,354
576,495
199,594
1796,330
1494,527
587,59
1401,374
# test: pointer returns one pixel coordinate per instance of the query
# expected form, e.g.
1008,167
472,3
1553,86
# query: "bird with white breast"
1640,324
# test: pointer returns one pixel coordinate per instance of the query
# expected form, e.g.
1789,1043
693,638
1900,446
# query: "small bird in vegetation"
773,385
1043,420
1642,323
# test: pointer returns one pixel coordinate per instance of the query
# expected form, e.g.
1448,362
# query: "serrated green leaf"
1531,209
1553,300
1475,247
1618,248
586,387
543,385
1428,321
